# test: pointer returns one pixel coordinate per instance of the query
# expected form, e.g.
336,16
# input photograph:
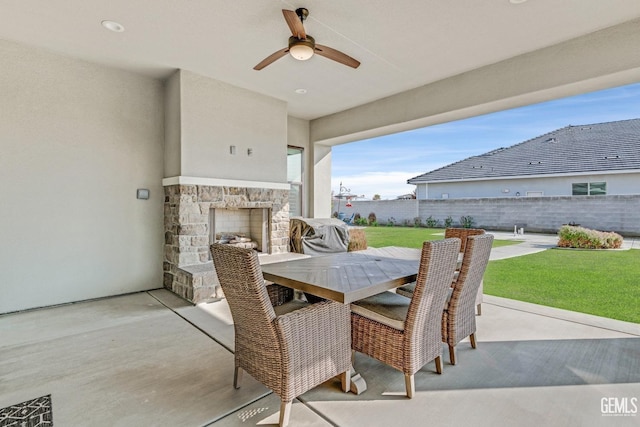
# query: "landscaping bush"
432,222
448,222
372,218
585,238
466,221
417,222
361,221
391,222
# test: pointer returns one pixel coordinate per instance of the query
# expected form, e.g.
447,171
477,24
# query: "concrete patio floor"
152,359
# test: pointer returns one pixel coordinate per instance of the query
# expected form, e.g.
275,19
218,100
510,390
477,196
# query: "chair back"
424,318
474,264
462,234
240,276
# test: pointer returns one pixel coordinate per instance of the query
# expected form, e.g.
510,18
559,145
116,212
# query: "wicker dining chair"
459,317
290,348
462,234
402,332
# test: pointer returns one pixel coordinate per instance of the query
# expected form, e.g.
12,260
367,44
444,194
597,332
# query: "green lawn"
603,283
410,237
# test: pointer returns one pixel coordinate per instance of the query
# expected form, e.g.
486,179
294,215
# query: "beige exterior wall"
215,116
617,184
172,126
298,136
77,140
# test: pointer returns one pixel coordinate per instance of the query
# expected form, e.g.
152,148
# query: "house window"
535,193
294,178
589,189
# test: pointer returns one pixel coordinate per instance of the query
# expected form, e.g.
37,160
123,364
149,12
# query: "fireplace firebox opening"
242,227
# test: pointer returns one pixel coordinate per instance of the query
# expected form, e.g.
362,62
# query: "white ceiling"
401,44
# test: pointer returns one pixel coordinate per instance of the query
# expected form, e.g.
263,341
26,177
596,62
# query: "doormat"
32,413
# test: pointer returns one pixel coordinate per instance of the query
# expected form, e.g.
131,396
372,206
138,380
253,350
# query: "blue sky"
383,165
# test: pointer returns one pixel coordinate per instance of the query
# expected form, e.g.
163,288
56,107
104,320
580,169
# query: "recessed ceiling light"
301,91
517,1
113,26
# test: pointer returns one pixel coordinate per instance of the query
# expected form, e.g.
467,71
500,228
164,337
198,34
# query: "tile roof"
572,149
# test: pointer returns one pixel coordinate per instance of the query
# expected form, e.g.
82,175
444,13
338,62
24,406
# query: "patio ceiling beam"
599,60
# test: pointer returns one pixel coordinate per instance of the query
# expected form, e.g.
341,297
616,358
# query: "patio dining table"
347,276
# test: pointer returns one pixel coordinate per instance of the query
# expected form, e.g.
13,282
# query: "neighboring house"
595,159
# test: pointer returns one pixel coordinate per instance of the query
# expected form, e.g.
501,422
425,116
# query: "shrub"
585,238
391,222
432,222
356,216
417,222
372,218
448,222
466,221
361,221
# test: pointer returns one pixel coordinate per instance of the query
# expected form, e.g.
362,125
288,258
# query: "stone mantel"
219,182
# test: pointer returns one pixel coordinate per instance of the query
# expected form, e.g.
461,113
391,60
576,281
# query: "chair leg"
346,381
410,385
237,377
472,337
452,355
438,361
479,306
285,412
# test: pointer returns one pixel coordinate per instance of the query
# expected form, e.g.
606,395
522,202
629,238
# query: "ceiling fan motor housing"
309,41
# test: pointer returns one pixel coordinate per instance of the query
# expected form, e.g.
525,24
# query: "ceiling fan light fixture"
301,49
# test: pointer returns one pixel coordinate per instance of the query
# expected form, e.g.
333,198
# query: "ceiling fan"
302,46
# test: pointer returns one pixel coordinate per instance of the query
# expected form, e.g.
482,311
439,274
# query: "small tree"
376,197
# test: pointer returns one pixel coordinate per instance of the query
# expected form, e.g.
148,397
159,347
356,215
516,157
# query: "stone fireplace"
200,211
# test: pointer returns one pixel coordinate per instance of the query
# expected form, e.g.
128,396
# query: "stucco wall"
215,115
77,140
298,136
541,214
617,184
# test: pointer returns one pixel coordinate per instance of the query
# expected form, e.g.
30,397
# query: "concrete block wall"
536,214
401,210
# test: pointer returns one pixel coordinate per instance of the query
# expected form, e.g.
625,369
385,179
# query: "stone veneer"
188,270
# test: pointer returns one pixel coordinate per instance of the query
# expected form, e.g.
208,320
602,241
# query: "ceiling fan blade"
271,58
337,56
295,24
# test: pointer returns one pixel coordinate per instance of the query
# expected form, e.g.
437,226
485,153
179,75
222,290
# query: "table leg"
358,384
